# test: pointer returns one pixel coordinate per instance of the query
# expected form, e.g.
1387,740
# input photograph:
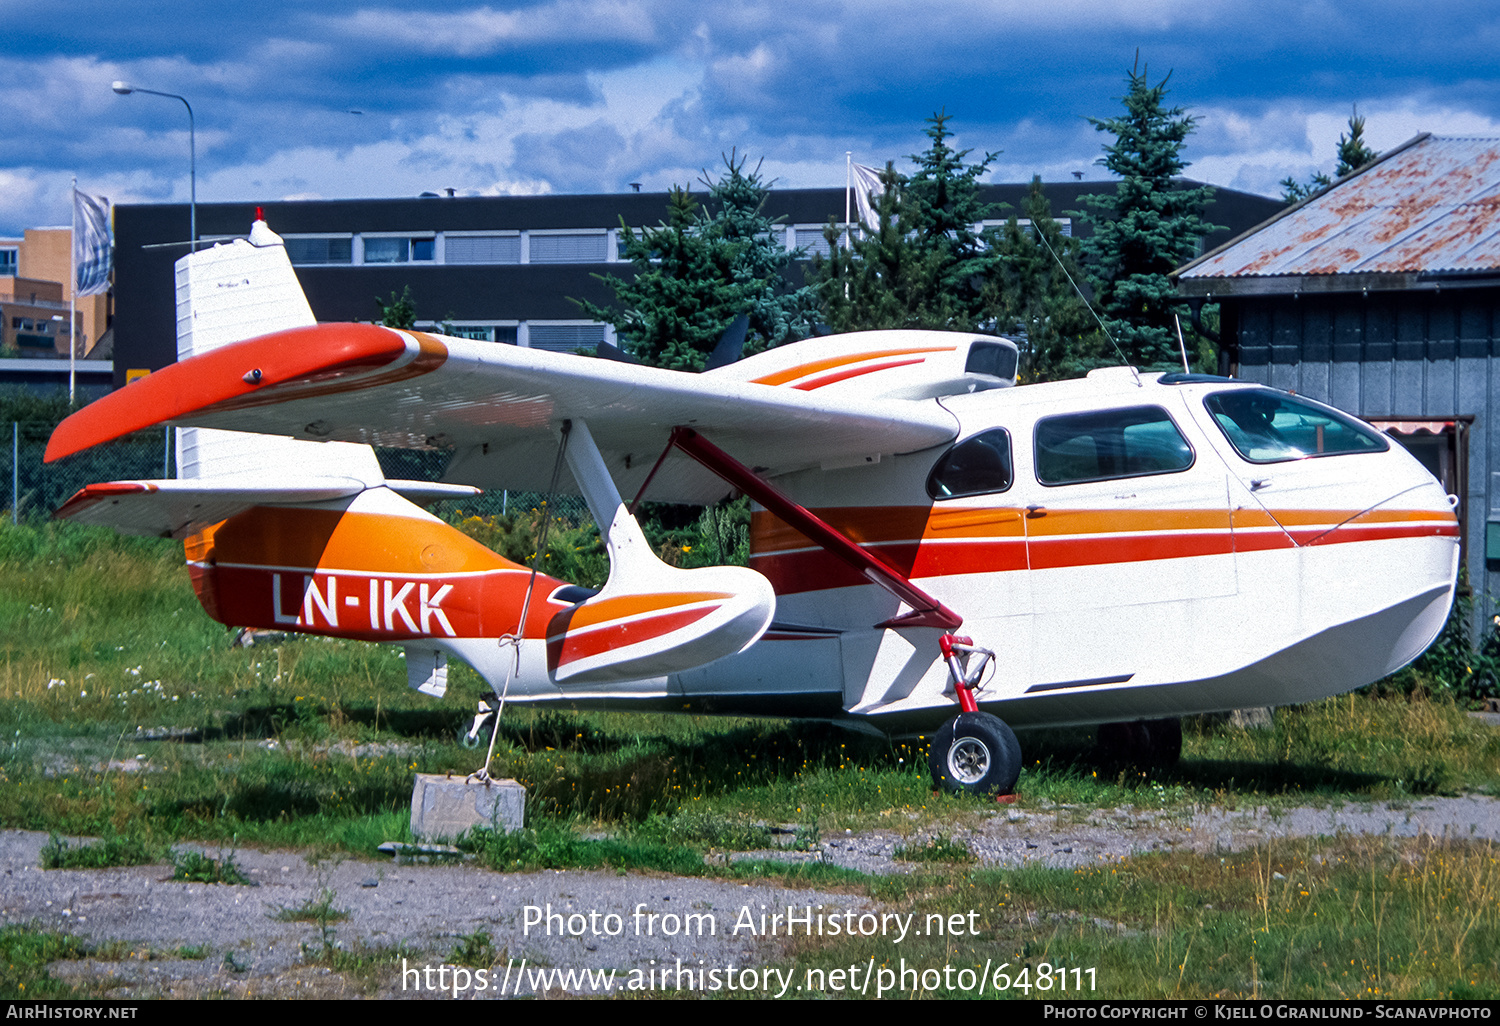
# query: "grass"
476,950
937,848
312,743
111,851
1313,918
195,867
318,910
24,956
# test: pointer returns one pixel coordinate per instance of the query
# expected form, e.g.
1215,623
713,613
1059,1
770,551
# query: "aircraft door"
1129,530
973,551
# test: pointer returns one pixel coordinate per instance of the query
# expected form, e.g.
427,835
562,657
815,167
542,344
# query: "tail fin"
227,294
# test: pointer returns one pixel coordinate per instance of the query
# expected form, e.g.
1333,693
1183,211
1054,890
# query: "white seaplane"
1126,548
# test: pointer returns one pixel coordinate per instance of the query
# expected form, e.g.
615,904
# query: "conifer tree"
1352,153
736,214
923,265
698,270
1035,301
1148,227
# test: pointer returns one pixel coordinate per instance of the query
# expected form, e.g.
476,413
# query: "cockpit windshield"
1269,427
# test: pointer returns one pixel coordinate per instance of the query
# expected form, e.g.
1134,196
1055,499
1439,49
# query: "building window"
810,239
565,338
504,333
9,260
478,333
1064,226
569,248
320,251
482,249
387,250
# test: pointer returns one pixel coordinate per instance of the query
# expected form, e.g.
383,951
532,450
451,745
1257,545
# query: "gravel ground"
425,909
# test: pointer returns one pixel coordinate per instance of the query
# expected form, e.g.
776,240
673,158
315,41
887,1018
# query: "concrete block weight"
444,807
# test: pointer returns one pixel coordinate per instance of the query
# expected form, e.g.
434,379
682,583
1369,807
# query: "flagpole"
73,299
848,190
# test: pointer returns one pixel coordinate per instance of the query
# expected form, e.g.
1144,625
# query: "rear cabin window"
1107,444
1270,427
976,466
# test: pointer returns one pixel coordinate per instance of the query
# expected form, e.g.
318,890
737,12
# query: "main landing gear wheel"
472,738
1150,744
977,753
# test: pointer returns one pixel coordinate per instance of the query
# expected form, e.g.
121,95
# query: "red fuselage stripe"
814,570
568,648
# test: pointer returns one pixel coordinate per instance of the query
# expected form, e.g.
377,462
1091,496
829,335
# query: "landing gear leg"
975,751
472,737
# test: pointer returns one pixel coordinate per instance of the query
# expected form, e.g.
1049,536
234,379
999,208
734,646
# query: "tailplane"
231,292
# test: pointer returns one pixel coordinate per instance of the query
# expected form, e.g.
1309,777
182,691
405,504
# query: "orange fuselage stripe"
994,540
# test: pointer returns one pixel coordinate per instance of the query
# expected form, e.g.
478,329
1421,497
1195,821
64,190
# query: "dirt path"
426,909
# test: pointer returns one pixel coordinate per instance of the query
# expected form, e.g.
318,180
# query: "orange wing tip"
242,374
90,495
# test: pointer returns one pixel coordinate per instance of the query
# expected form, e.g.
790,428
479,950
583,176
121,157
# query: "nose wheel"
977,753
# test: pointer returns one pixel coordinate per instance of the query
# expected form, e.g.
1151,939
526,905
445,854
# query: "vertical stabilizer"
226,294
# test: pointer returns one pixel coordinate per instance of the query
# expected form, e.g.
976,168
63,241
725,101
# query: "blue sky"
589,95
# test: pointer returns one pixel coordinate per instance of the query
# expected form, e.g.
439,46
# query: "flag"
867,184
91,245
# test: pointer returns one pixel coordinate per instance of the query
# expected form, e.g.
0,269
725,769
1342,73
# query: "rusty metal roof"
1432,205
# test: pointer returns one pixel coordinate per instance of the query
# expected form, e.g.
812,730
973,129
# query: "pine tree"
698,270
1148,227
736,214
1352,155
1031,294
923,265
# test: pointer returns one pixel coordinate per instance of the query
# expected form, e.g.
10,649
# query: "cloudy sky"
344,98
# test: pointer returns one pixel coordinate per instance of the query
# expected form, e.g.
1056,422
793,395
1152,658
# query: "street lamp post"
125,89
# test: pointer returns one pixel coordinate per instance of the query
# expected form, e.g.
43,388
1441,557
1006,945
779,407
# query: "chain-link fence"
33,488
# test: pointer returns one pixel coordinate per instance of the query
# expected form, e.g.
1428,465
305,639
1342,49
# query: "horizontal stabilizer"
175,509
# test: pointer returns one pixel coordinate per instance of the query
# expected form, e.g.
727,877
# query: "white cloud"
484,30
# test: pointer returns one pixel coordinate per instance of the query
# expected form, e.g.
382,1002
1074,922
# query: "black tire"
977,753
1149,744
1165,745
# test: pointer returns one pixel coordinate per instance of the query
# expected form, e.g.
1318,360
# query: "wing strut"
926,611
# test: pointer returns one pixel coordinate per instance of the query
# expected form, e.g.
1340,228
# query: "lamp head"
123,88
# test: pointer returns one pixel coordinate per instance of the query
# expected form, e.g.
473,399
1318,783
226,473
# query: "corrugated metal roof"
1432,205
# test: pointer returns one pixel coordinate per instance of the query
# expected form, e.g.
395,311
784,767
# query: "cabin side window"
1271,427
976,466
1108,444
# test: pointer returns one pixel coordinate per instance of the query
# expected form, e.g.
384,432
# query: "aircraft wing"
499,406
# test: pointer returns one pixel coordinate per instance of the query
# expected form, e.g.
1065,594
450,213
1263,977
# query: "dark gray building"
498,268
1381,295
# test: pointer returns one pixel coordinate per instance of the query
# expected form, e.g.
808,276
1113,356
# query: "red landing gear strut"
975,751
